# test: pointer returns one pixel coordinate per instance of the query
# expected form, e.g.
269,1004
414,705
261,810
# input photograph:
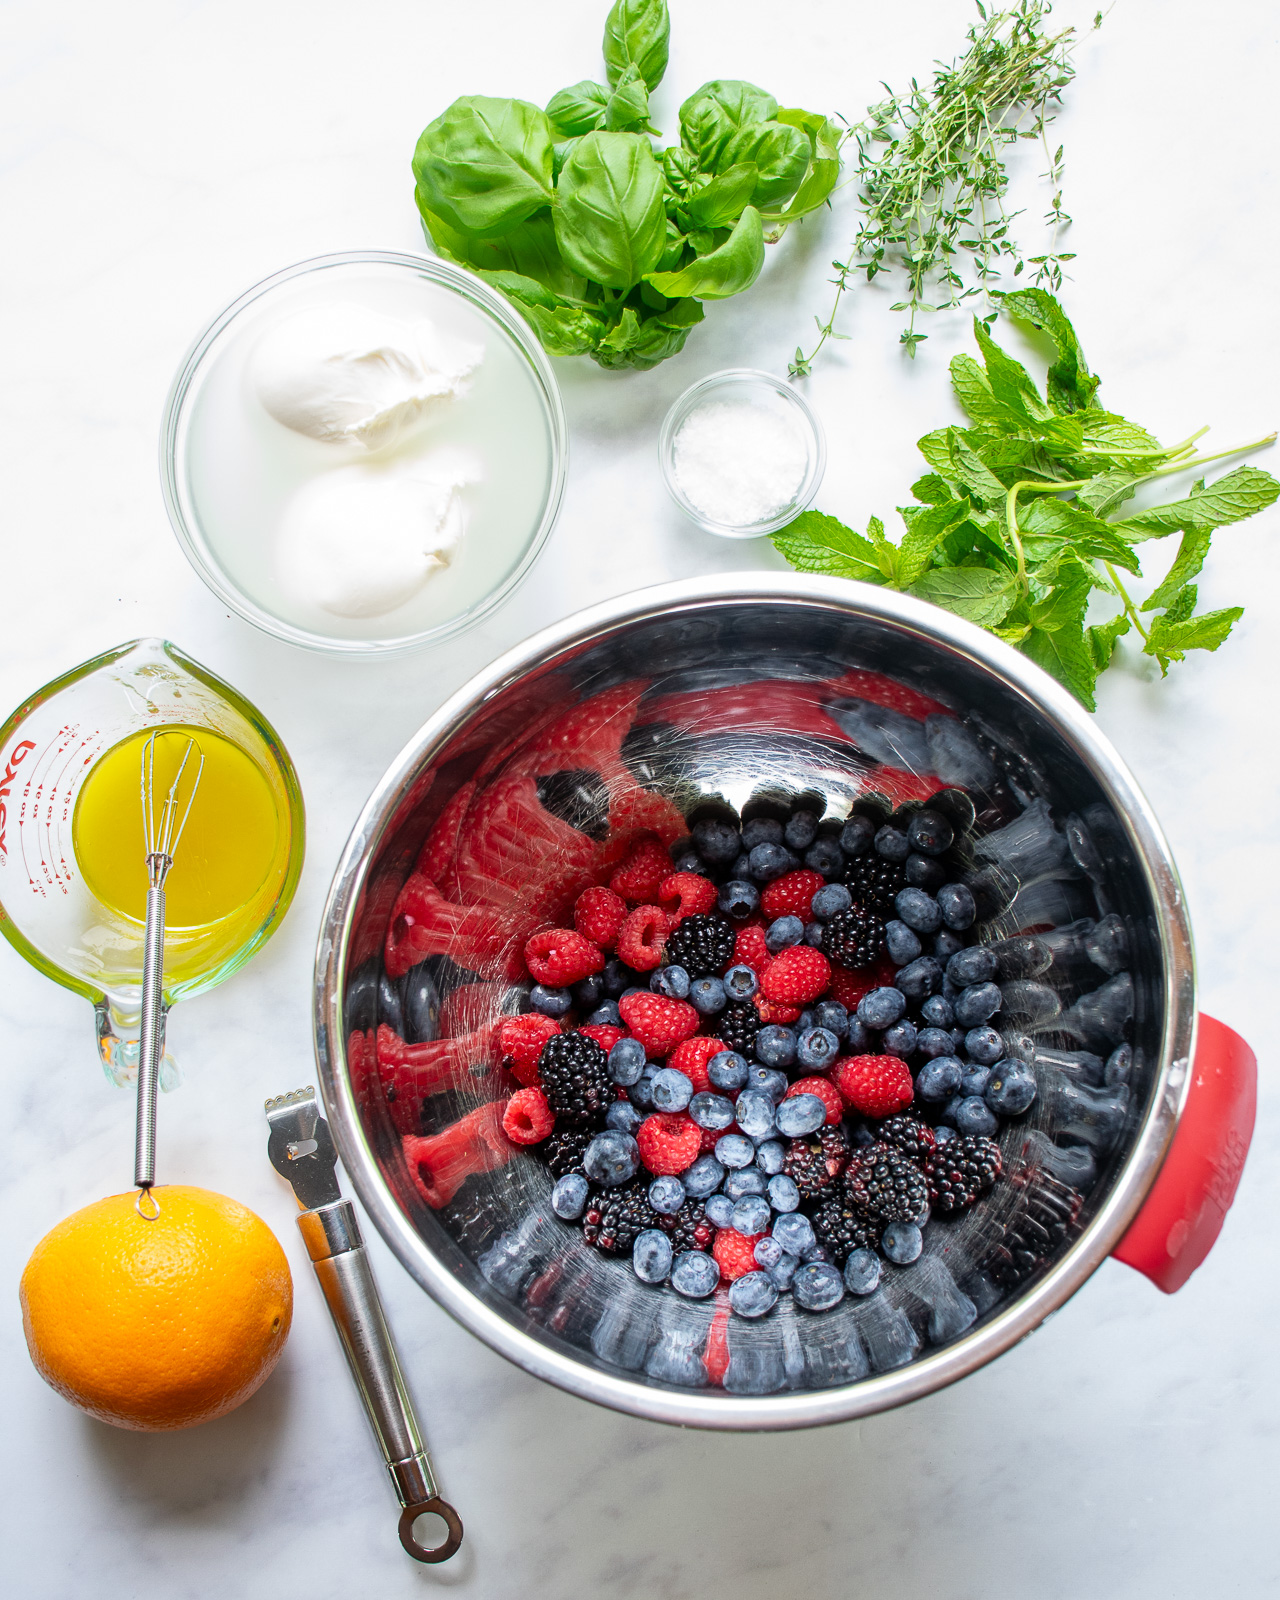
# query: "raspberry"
527,1119
825,1090
521,1040
875,1085
691,1058
668,1144
750,950
791,895
850,987
643,873
604,1034
735,1252
710,1137
560,956
641,936
692,894
771,1011
659,1024
597,915
797,976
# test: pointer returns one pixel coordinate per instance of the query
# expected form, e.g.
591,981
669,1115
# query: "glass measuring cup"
57,819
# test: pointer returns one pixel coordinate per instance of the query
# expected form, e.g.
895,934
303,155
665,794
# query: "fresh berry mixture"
768,1059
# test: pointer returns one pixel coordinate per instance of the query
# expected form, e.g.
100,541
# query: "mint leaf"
818,543
1065,655
1106,434
1010,382
1065,603
1071,386
1231,499
1186,564
977,594
1101,639
924,531
1205,632
968,467
932,490
973,391
1059,521
1108,490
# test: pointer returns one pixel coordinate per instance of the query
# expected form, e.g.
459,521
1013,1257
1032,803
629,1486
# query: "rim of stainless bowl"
194,544
700,1408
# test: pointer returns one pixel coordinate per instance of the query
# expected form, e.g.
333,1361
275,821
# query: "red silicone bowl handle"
1189,1201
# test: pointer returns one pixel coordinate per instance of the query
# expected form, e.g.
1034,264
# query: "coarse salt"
739,463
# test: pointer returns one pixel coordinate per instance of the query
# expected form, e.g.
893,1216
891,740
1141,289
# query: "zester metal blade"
300,1148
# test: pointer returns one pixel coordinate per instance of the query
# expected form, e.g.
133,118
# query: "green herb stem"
1130,610
1011,514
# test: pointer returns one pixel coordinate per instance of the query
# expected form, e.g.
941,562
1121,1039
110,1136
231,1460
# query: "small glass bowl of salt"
741,453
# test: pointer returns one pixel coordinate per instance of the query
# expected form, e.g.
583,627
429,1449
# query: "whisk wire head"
163,836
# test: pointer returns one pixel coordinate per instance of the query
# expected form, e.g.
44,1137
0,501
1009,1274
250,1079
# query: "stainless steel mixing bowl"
748,689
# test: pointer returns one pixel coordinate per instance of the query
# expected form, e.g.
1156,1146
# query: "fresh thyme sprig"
933,175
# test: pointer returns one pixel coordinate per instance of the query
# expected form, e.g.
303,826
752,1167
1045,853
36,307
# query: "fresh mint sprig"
1012,526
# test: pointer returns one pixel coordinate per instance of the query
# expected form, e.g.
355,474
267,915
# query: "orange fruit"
158,1324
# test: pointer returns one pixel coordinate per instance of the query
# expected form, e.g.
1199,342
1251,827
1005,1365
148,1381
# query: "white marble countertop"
158,158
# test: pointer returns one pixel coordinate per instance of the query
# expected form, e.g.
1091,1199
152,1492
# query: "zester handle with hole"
334,1243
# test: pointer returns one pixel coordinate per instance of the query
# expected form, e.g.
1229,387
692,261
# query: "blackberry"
688,1228
873,882
961,1170
574,1073
912,1137
738,1025
563,1152
854,938
815,1162
884,1182
702,944
842,1226
1047,1213
614,1218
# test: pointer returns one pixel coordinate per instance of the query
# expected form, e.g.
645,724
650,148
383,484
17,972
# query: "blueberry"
939,1079
943,1134
673,982
767,1081
974,1079
694,1275
900,1040
640,1093
569,1197
671,1090
704,1177
770,861
879,1009
902,1242
947,944
754,1112
735,1150
753,1295
740,871
817,1286
830,901
617,976
1010,1088
738,899
955,901
824,856
651,1256
931,833
719,1210
933,1042
862,1272
919,979
801,1114
588,994
813,934
716,842
761,830
611,1158
857,1037
794,1232
740,982
707,996
856,836
892,844
984,1045
712,1111
747,1182
626,1062
783,1193
817,1049
901,942
634,989
801,830
977,1003
923,873
1119,1066
688,861
776,1045
727,1070
975,964
767,1252
606,1015
973,1115
781,933
550,1002
918,910
666,1195
782,1274
832,1016
623,1117
771,1157
937,1012
751,1215
804,1022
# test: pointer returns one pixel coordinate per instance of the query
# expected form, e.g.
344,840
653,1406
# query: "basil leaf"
1065,655
1238,495
628,107
779,153
529,250
578,109
564,329
656,337
680,168
1102,639
1186,564
1071,386
711,116
637,33
735,266
609,218
720,201
824,164
818,543
977,594
485,165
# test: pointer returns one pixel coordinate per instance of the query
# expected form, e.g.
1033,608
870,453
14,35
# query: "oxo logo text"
17,755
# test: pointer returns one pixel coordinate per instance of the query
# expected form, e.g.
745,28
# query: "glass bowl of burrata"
364,453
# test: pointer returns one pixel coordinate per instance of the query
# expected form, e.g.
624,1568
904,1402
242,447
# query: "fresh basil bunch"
607,246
